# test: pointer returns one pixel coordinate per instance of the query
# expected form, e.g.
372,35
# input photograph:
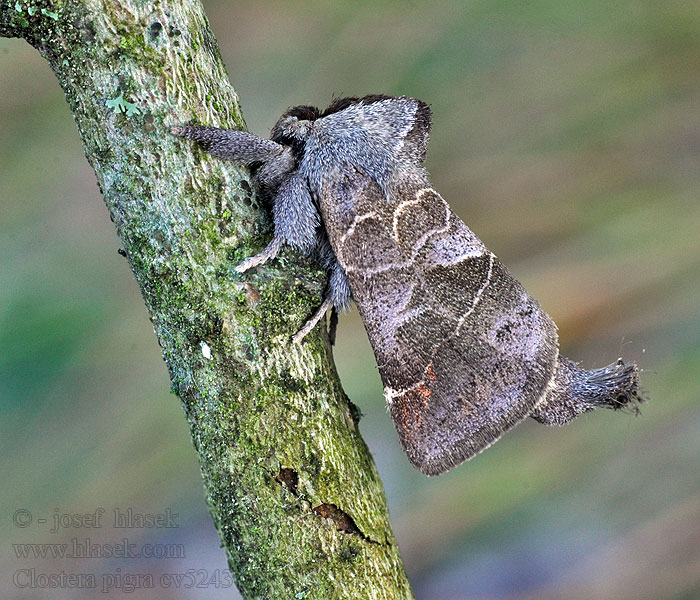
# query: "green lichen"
119,105
50,14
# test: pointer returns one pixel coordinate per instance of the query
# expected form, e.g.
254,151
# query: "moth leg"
339,287
574,391
270,252
274,170
338,291
311,323
231,144
296,215
296,221
337,298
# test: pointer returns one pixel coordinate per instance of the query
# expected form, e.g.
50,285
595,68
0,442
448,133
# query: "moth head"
293,128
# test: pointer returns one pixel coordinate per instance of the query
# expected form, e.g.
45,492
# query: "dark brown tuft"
342,103
311,113
303,113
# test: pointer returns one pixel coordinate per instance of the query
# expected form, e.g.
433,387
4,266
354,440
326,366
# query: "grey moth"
464,352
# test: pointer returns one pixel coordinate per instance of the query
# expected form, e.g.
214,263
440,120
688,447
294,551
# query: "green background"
566,135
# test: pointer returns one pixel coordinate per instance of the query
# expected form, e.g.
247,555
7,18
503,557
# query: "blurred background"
566,135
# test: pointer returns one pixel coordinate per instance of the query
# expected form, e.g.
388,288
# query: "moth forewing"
464,353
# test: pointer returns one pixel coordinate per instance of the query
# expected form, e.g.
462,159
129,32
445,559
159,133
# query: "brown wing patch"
358,254
418,218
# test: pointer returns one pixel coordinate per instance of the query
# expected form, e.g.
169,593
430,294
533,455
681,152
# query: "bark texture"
291,485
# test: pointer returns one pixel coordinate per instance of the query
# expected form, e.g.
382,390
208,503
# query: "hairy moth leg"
337,298
296,224
231,144
311,323
296,221
270,252
296,215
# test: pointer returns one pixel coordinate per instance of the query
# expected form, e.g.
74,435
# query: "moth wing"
463,351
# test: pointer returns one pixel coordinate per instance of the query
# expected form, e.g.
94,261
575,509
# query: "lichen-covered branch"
291,485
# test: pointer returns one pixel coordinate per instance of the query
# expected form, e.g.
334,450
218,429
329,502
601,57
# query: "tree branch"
290,483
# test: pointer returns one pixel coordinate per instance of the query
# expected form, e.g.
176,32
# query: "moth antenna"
574,391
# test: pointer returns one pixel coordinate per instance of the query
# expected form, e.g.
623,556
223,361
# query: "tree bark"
290,484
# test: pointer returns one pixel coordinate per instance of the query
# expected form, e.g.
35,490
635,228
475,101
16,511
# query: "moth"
464,352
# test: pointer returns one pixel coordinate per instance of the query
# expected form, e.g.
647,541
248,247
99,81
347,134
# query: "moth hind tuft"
576,391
